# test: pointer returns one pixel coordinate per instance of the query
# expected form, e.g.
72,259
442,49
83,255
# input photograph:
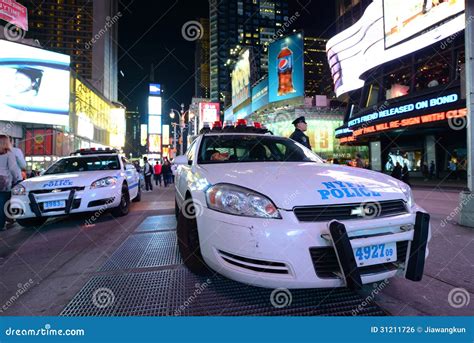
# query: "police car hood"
305,184
81,179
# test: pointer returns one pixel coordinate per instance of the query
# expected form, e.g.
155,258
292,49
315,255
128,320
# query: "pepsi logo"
283,64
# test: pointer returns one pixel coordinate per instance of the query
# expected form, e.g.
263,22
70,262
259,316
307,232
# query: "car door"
133,179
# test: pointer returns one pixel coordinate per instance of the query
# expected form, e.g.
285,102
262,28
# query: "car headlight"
408,194
19,190
240,201
104,182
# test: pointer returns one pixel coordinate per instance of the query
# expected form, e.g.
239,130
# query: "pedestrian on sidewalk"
397,171
157,169
432,170
147,173
406,175
452,170
9,175
425,171
166,170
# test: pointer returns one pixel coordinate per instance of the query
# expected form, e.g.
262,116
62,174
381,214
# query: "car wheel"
188,241
31,222
138,198
123,208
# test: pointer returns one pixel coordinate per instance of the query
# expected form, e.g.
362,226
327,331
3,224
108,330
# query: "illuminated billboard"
15,13
209,112
154,125
286,68
143,134
361,47
154,105
155,89
34,85
260,95
241,79
406,19
166,135
154,143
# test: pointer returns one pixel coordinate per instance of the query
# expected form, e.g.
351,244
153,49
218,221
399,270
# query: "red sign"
425,119
14,13
209,112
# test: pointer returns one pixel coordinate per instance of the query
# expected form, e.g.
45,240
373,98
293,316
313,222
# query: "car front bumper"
287,253
77,201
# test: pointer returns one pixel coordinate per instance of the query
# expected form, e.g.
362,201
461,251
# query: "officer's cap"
299,120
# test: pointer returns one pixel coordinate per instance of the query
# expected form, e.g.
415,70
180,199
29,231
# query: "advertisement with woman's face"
34,85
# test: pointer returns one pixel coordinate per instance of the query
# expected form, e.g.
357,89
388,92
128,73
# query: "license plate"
376,254
51,205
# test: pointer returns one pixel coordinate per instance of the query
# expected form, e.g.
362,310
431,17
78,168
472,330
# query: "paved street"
57,269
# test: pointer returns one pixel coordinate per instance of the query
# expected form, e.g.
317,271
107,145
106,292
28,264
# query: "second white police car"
90,180
266,211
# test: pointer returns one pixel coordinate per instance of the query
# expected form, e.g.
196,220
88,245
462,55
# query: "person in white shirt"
20,159
9,175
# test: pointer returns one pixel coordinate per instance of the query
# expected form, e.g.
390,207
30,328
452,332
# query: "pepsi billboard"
286,68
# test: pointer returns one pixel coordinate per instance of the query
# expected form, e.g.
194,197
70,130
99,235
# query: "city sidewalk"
457,185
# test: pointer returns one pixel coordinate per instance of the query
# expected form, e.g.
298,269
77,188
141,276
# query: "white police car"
89,180
266,211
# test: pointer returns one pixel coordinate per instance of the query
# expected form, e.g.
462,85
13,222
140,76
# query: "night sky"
149,36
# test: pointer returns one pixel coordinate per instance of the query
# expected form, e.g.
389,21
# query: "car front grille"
350,211
260,266
326,264
57,190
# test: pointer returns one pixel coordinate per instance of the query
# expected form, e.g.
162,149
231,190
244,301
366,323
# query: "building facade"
237,24
406,94
203,72
316,68
83,29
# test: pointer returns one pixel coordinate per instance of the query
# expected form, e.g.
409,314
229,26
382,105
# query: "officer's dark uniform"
299,135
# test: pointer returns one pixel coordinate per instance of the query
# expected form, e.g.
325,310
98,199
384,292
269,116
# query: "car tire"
124,207
138,198
188,243
176,209
31,223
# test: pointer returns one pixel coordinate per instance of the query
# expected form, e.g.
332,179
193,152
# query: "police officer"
300,128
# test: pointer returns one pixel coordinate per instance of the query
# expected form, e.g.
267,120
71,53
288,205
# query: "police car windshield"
83,164
252,148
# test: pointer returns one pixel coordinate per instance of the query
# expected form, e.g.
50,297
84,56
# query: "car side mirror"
181,160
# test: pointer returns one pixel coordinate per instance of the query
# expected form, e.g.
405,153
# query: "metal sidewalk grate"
157,223
178,292
145,250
